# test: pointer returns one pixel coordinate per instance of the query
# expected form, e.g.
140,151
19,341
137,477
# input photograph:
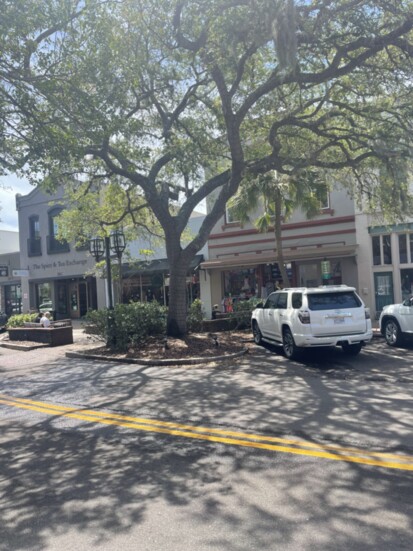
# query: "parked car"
3,319
303,317
396,322
46,306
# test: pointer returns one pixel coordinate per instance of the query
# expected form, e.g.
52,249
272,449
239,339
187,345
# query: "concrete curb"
159,362
24,348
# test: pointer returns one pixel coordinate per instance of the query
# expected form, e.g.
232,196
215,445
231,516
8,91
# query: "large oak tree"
181,100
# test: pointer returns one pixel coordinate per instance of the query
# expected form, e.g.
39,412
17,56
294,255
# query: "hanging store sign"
4,271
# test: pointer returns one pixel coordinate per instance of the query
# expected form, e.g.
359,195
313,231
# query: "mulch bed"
196,345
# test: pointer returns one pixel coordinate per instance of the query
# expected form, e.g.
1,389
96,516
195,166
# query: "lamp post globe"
117,241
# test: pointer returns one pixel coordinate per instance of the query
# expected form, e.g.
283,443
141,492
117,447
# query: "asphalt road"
261,453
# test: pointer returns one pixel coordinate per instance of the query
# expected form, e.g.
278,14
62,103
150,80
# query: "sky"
9,186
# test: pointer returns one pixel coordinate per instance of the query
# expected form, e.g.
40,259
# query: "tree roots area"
194,345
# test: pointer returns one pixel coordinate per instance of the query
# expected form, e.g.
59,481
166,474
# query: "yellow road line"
169,424
228,437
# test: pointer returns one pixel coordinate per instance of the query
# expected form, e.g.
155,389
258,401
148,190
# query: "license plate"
338,320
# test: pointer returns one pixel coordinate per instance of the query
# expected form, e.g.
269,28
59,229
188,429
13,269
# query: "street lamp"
118,245
99,246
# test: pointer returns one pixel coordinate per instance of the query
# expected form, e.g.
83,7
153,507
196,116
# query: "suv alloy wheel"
291,350
392,333
257,333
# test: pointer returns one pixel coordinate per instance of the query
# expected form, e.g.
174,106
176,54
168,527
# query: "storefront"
145,281
241,278
12,299
65,298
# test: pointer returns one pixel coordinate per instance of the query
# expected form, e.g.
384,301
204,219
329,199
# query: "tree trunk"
278,238
178,307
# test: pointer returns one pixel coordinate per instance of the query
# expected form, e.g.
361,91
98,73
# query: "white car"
46,306
396,322
303,317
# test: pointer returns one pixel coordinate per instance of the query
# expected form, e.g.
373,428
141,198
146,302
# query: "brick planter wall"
54,336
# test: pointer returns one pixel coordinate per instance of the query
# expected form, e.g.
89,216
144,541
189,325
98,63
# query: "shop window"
13,298
406,277
240,284
44,296
381,248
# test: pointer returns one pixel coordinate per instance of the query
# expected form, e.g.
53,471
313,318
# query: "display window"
240,284
406,278
13,298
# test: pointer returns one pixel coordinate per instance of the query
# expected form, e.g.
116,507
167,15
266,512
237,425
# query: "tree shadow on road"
62,477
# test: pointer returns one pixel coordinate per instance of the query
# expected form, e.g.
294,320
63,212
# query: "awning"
160,265
308,253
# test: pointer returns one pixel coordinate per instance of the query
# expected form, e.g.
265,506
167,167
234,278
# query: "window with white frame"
324,198
230,216
381,248
405,248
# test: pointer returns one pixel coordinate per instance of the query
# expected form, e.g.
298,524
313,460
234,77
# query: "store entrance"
82,299
74,297
13,299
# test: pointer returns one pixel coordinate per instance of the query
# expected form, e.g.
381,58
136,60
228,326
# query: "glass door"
383,288
82,299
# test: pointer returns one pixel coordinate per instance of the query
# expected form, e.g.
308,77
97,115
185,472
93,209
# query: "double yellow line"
234,438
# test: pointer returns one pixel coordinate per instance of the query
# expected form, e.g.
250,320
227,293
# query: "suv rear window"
333,300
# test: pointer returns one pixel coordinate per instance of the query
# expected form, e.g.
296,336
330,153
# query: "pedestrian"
45,320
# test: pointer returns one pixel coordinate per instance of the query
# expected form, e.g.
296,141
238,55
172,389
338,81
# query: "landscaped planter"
54,335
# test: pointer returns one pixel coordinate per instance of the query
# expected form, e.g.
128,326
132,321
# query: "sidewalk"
80,340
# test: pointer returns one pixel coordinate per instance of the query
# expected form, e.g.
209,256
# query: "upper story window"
53,244
322,194
34,243
325,199
381,248
34,227
230,217
406,248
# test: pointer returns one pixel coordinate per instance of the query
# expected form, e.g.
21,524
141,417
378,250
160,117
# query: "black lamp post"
99,246
118,245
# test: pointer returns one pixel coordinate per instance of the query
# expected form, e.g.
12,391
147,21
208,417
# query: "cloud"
9,186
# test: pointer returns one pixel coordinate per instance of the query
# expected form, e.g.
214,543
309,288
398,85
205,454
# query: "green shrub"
18,319
127,324
242,312
195,316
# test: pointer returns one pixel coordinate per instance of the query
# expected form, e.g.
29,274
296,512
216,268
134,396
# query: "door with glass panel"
383,288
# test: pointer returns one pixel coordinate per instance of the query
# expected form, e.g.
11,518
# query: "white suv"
396,322
304,317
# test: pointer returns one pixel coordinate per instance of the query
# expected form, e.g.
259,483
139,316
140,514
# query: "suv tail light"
367,313
304,317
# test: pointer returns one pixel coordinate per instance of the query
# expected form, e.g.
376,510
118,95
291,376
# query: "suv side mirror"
259,305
